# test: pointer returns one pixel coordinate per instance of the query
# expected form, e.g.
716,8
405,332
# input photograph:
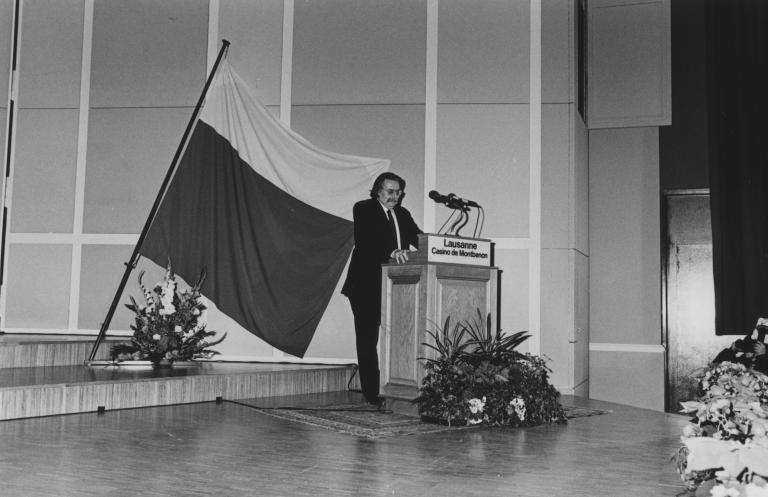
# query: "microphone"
451,200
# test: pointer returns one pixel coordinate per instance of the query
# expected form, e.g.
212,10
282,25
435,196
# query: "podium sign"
456,250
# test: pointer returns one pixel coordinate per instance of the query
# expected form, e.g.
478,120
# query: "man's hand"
759,348
400,256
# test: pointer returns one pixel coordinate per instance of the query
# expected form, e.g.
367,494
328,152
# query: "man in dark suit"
377,240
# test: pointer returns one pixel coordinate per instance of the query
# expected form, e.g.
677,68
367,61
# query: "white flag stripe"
325,180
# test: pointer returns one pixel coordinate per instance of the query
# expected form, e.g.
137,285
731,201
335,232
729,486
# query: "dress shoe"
377,401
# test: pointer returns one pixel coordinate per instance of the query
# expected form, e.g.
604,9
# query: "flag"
265,213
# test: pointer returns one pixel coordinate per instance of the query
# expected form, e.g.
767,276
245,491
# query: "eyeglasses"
391,191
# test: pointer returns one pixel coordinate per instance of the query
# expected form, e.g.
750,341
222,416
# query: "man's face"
390,193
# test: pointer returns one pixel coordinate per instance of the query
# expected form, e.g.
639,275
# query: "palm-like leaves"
448,343
490,345
471,340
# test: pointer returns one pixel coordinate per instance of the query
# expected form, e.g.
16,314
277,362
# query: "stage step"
48,391
29,351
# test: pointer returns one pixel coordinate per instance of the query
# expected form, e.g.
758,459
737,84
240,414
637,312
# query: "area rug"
582,412
368,422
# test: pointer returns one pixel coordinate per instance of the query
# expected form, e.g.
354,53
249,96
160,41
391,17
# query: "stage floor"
230,449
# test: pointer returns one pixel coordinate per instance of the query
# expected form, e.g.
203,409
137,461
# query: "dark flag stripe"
272,260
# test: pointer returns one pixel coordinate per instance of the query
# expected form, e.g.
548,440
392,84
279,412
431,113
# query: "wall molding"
82,153
286,68
644,348
534,268
430,116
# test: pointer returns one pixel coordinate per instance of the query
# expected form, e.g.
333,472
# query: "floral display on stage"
170,325
477,377
725,447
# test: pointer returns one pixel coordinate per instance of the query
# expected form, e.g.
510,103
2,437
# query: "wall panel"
240,344
359,51
255,30
6,40
642,378
44,171
483,51
38,286
629,63
51,54
482,154
580,151
557,51
556,185
557,314
3,130
129,152
101,269
580,263
6,37
514,290
394,132
625,288
148,53
335,334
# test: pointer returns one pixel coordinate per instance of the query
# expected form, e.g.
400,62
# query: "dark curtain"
737,100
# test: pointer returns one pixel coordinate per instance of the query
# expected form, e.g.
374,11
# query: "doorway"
688,304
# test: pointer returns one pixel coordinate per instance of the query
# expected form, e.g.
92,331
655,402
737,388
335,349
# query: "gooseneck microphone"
451,200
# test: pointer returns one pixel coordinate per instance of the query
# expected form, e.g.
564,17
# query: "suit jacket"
373,245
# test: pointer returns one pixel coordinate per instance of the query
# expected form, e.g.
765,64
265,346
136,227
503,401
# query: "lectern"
448,276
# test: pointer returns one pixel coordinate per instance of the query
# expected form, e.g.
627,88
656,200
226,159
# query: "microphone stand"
462,207
463,220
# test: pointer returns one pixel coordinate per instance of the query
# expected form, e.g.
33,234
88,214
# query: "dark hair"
378,184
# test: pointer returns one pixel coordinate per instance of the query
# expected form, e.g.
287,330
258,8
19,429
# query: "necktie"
392,229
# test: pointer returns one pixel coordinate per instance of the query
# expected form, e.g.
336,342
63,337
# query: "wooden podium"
448,276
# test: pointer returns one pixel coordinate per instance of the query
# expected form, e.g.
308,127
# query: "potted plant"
478,377
169,326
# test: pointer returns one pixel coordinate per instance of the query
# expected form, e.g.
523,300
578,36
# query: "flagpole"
131,264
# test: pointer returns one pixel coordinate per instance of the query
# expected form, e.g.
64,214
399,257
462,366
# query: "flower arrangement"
169,326
477,377
725,445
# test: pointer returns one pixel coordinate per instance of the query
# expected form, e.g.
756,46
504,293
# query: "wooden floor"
227,449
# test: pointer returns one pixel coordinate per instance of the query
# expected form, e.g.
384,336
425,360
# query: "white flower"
476,405
721,491
518,406
156,337
691,430
717,390
177,329
167,292
754,490
759,428
195,311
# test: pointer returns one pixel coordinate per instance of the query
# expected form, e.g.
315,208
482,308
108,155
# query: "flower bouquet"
170,325
477,377
725,445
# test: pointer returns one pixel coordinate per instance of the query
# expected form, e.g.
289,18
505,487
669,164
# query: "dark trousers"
367,313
